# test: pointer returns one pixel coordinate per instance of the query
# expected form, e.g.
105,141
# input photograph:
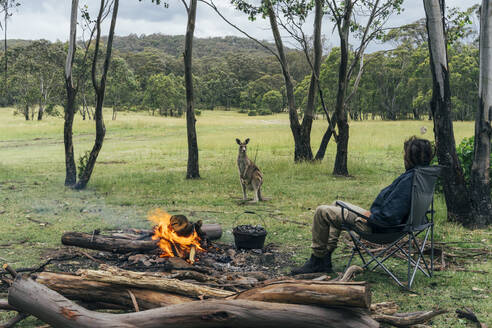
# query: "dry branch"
56,310
407,319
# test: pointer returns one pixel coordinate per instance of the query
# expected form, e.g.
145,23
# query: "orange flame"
170,242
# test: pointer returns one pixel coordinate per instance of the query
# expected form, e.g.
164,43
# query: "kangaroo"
250,175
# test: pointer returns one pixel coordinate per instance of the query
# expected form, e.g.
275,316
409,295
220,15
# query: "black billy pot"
249,236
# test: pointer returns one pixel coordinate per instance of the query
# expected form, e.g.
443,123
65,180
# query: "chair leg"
409,255
381,264
350,259
421,256
356,247
395,243
432,251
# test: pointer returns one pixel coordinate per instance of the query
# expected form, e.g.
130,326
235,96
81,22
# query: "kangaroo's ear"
246,141
238,141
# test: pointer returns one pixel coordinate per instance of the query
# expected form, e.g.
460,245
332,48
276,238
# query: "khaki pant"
327,226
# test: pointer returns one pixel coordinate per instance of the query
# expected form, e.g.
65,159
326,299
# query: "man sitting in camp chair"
390,208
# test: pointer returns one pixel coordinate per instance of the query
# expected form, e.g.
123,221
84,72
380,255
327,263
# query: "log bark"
321,293
56,310
142,280
77,288
108,244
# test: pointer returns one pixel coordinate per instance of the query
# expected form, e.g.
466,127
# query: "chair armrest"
348,208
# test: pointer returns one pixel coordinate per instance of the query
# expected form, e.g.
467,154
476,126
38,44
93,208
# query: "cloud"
49,19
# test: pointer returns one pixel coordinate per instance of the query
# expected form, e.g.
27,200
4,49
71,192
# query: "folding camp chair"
420,219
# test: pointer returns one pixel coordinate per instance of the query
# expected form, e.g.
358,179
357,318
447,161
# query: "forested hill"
174,45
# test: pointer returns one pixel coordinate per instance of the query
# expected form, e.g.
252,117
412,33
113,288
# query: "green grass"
142,166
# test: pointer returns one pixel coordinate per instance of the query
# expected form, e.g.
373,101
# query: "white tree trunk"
480,179
72,40
436,38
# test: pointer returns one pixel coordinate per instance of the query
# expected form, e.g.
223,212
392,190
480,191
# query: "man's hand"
360,219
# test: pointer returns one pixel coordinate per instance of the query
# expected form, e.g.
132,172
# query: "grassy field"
142,166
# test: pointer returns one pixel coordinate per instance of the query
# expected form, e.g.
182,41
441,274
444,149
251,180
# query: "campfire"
176,235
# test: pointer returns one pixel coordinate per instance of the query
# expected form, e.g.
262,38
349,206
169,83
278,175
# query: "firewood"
142,280
77,288
56,310
192,254
321,293
407,319
213,231
108,244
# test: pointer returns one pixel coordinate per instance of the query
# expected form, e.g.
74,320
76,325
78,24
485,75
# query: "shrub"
198,112
83,163
264,112
252,113
273,100
243,111
465,155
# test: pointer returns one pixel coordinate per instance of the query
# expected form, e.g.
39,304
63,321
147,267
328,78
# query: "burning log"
56,310
321,293
77,288
192,254
108,244
142,280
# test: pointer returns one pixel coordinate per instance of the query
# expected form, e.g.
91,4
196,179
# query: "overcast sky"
49,19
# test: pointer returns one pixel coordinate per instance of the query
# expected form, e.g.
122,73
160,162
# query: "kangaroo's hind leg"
256,184
243,185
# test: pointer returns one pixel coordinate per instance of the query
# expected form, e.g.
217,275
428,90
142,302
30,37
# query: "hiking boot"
314,264
327,263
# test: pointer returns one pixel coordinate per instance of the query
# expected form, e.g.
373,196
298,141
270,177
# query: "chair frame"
403,230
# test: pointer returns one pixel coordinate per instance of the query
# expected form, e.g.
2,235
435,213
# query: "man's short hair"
418,152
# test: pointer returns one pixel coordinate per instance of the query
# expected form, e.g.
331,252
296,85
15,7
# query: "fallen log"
54,309
108,244
321,293
77,288
144,280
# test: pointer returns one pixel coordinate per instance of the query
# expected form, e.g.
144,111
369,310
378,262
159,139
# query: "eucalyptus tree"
121,85
469,205
480,179
72,87
6,8
192,170
99,85
272,9
342,12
